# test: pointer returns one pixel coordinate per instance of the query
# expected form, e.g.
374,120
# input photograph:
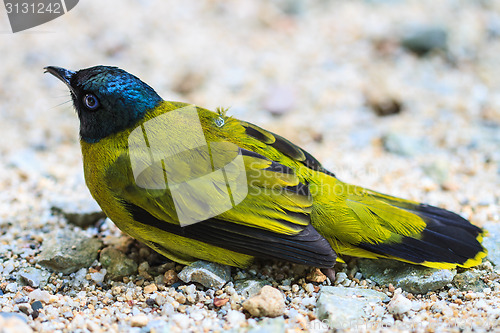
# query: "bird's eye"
91,102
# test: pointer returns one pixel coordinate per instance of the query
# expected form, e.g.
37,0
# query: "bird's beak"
62,74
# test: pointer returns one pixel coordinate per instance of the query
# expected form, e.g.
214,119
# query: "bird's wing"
225,196
283,146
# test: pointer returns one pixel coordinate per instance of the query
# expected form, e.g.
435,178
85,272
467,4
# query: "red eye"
91,102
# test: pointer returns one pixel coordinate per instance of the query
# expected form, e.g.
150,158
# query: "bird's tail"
415,233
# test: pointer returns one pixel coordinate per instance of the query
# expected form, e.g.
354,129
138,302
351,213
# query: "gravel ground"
346,80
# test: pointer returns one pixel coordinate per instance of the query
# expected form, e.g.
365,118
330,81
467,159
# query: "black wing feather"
307,247
285,147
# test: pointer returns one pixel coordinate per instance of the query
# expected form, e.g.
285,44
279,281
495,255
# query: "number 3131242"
33,8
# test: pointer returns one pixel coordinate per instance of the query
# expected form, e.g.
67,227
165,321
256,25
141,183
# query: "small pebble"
340,277
11,287
25,308
316,276
269,302
37,306
39,295
160,299
180,298
235,318
150,288
208,274
218,302
139,321
309,288
167,309
399,304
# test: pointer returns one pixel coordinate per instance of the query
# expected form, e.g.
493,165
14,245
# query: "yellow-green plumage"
288,192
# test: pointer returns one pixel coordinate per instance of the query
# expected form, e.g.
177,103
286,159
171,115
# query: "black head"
107,99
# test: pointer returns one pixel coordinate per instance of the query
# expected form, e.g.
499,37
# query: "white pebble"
8,267
399,304
81,295
11,287
346,283
235,318
309,301
292,314
79,277
481,304
438,306
98,277
388,320
494,312
191,289
230,290
340,277
197,315
378,311
167,309
447,312
181,320
417,305
309,288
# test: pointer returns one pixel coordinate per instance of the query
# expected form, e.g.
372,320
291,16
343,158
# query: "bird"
194,184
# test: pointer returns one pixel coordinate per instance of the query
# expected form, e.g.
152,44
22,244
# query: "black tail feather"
448,238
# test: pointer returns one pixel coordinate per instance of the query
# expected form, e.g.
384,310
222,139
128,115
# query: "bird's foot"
330,273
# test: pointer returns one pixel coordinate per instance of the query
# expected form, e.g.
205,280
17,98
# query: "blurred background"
399,96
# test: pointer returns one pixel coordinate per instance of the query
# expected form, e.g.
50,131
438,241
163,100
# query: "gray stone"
82,213
343,308
209,274
34,277
424,39
36,305
469,280
117,264
249,288
404,145
410,278
67,251
491,242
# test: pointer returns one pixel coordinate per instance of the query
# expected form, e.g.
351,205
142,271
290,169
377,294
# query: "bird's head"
107,99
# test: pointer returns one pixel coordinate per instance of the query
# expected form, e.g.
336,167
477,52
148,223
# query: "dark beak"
62,74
